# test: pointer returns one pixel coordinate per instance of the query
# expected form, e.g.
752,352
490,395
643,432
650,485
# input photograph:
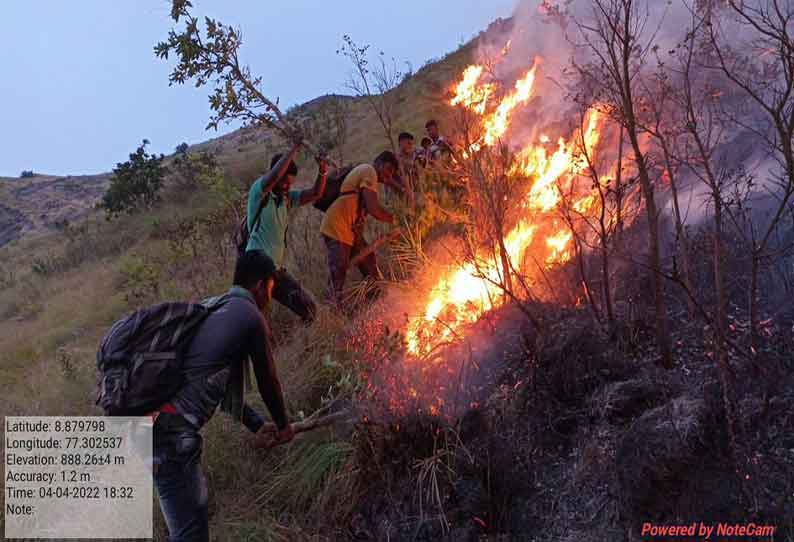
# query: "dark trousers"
181,486
288,292
339,256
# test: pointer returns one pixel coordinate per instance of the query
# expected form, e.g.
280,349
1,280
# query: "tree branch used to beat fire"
215,58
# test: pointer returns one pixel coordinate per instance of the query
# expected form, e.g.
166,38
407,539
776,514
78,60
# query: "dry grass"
57,298
434,473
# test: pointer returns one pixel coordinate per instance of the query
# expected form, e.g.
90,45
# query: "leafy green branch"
208,54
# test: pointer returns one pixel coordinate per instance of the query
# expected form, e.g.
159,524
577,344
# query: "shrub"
200,252
26,174
46,264
140,280
135,183
8,277
440,198
194,169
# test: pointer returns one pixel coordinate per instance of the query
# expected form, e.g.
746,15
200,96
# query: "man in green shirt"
270,201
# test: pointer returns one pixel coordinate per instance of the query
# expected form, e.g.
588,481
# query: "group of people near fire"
236,330
347,201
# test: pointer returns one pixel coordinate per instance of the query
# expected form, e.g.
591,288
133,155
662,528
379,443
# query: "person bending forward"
343,224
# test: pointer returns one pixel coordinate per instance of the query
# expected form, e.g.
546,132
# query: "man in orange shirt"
343,224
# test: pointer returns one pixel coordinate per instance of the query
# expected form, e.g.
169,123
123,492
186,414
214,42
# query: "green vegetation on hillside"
135,183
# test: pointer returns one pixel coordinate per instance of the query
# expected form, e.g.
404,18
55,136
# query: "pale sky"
81,87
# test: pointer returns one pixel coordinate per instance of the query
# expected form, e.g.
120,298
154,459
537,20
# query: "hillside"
535,420
39,204
59,290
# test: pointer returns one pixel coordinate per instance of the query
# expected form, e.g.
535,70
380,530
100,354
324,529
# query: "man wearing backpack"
343,224
270,201
214,368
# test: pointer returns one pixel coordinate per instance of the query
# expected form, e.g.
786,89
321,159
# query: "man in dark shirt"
214,369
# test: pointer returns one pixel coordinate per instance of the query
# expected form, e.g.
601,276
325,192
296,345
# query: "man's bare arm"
272,177
374,207
311,195
267,378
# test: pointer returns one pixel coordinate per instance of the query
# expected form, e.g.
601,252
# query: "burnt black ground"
579,437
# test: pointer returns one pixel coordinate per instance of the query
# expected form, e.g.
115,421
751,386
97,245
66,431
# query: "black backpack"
140,357
333,188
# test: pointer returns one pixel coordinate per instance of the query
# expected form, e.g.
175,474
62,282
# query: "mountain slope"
575,435
41,203
38,205
61,289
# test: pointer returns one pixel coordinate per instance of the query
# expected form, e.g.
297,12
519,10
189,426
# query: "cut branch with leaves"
375,83
208,54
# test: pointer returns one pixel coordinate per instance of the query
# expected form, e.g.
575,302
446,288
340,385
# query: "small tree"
760,66
704,126
491,184
193,169
135,183
27,174
667,125
618,41
376,83
595,222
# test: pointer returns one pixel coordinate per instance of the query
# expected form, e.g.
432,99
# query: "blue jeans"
181,486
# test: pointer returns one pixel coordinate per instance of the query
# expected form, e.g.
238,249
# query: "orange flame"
558,243
463,293
497,123
475,98
469,94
